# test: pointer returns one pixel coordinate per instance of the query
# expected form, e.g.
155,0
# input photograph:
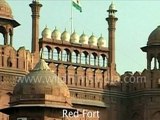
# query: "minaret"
35,7
111,19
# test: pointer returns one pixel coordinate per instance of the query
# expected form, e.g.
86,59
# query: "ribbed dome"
74,38
92,40
56,34
83,39
65,36
40,86
5,10
101,42
154,37
46,33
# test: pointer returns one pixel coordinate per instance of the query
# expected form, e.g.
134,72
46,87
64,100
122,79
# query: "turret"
111,19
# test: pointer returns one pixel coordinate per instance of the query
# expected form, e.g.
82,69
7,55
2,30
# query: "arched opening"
1,39
66,55
104,60
57,54
84,58
2,35
47,52
152,63
91,59
101,61
75,56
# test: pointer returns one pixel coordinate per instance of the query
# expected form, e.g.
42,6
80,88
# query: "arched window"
2,35
1,39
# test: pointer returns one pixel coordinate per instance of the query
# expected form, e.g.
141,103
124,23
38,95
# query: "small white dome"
83,39
56,34
92,40
74,38
112,7
65,36
46,33
101,42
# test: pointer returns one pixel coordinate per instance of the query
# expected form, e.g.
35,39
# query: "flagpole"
71,18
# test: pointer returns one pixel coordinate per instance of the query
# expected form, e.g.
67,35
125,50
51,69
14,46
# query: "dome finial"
112,9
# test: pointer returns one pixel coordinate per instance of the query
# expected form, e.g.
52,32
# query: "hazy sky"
137,19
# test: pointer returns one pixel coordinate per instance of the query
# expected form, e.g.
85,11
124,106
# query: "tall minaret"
111,19
35,7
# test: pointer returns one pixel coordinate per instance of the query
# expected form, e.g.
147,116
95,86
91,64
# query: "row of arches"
78,76
75,56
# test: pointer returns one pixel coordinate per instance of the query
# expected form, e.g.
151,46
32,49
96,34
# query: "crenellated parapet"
20,59
139,81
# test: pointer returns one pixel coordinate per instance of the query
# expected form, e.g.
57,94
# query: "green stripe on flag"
77,5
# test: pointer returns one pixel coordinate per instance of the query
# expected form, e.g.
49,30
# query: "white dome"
46,33
83,39
56,34
101,42
92,40
112,7
65,36
74,38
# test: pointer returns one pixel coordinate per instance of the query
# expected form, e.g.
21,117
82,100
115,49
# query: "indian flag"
76,4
